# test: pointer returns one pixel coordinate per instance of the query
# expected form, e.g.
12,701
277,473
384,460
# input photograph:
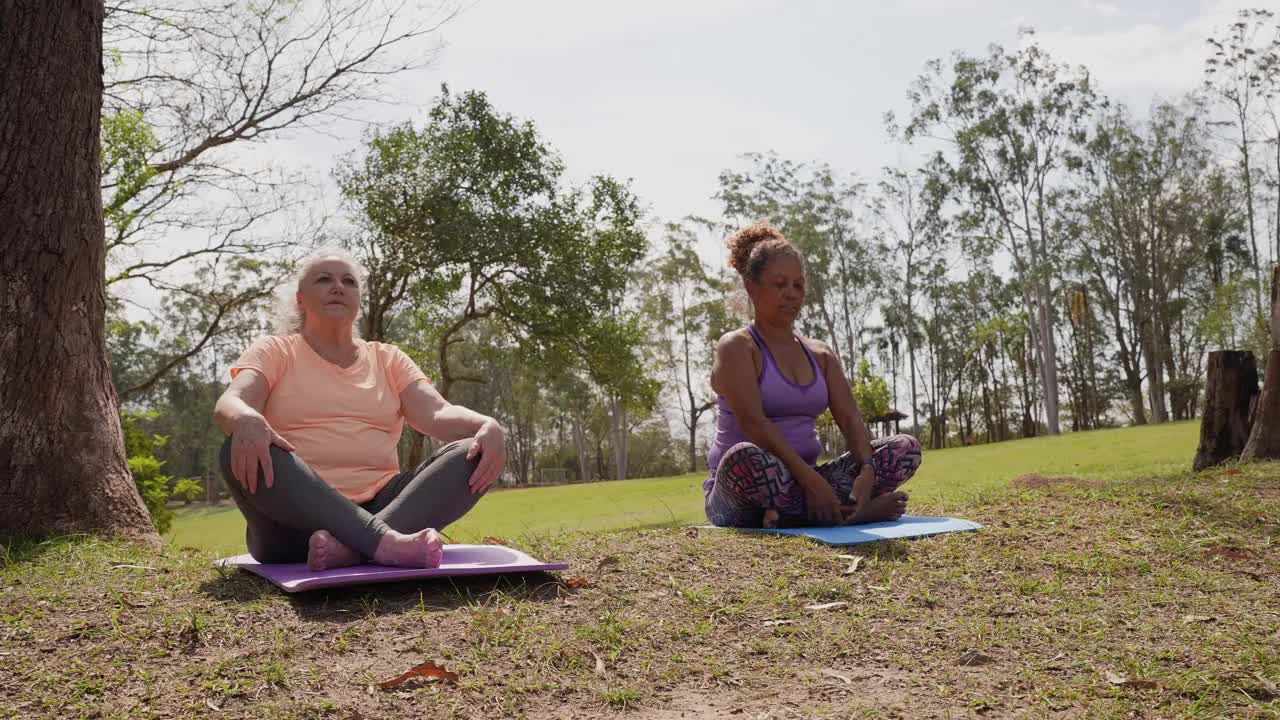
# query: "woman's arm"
734,378
246,396
848,417
238,413
430,414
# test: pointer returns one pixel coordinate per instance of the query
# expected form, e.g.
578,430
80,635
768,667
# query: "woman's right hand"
251,441
820,500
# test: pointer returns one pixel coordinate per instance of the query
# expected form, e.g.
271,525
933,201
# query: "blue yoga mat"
908,526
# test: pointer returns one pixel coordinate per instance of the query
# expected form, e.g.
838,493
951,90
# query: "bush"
152,483
187,489
153,486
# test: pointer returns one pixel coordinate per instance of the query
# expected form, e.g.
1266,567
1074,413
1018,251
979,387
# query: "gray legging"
281,518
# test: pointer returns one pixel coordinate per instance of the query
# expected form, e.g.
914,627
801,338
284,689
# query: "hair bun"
742,242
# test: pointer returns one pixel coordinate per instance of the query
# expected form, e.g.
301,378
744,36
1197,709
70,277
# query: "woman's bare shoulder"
821,350
735,341
816,346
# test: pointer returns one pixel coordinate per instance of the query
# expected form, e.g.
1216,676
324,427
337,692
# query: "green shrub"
187,489
147,470
153,486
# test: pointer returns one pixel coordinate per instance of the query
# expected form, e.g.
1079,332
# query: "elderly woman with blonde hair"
313,416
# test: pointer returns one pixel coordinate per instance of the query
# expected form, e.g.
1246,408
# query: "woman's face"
779,294
330,292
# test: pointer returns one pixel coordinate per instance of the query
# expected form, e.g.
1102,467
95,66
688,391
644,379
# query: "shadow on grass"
235,586
19,549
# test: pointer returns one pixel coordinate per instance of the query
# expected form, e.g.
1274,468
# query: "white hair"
288,315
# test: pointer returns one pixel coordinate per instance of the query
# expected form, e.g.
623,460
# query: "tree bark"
1049,357
62,461
620,436
1230,391
1264,440
580,445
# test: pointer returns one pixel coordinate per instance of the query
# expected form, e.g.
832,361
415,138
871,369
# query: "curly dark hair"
752,247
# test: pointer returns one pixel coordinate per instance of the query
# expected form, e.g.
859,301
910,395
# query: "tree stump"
1264,440
1230,390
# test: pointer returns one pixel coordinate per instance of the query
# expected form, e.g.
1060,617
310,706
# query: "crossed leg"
302,517
752,488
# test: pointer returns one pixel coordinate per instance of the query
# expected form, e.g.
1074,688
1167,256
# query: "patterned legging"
750,479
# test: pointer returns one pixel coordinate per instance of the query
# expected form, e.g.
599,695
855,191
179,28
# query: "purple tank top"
793,408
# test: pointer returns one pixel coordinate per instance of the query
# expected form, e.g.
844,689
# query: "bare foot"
423,549
324,552
770,518
882,508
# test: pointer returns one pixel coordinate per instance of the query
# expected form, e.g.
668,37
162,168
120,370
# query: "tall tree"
469,216
1154,212
908,212
1237,74
62,462
192,89
686,308
1009,123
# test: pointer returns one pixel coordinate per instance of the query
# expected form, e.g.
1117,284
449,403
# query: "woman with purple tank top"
771,386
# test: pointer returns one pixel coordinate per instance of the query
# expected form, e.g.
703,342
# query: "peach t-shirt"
344,423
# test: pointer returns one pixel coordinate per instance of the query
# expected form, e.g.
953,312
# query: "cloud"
1143,60
1105,9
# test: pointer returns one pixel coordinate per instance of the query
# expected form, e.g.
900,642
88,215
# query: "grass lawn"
1145,598
947,476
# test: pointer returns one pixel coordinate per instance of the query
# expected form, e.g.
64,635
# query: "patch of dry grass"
1146,599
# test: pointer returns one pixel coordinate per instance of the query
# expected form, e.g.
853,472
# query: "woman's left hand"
490,443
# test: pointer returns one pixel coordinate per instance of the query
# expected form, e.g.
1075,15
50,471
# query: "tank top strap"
764,352
813,359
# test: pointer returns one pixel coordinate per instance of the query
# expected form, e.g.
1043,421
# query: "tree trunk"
693,445
580,445
1264,441
620,433
62,461
1048,357
1155,369
1230,390
937,432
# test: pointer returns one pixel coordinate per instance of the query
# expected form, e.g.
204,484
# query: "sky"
669,93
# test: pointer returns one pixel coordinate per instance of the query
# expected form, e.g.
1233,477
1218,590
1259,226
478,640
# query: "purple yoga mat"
458,560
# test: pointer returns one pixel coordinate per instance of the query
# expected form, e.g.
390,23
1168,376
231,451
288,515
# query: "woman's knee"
906,451
284,465
451,462
744,456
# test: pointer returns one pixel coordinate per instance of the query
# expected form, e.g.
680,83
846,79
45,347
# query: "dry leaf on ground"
577,582
426,670
827,606
854,562
973,658
1188,619
1135,683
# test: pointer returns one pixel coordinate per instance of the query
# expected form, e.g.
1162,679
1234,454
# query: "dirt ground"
1079,599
